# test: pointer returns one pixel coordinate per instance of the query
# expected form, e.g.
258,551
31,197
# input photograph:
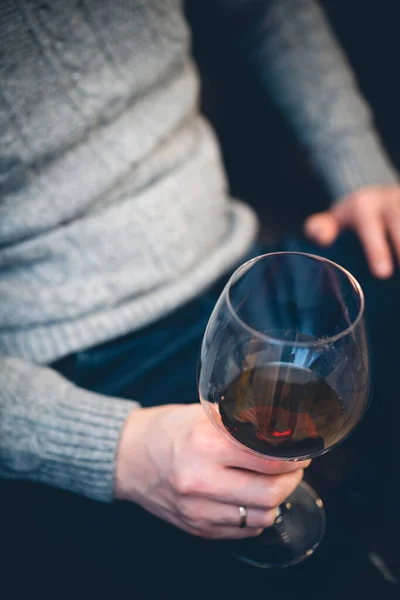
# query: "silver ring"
243,517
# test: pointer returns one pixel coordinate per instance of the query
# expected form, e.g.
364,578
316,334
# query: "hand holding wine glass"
284,374
175,464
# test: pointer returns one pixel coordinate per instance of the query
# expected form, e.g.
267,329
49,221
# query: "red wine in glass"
281,410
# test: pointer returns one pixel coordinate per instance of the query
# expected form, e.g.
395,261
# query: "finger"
245,460
253,490
210,513
322,228
372,233
256,517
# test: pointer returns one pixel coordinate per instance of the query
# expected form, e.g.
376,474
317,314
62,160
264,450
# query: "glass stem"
279,525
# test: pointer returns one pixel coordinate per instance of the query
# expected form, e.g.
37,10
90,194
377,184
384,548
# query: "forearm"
294,52
56,433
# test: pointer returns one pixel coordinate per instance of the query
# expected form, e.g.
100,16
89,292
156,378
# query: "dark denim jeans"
122,549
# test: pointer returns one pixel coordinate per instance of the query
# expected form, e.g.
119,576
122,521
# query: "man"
116,232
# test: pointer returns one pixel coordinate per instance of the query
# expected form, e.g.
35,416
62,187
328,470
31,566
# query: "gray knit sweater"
113,202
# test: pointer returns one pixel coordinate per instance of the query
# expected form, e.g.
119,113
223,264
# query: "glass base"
294,537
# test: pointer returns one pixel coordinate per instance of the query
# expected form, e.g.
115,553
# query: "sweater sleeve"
56,433
295,53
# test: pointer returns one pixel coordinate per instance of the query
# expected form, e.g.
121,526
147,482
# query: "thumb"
322,228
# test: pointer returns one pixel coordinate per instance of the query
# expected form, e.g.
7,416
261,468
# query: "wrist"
146,441
134,428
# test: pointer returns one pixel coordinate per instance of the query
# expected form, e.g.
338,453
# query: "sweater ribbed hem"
359,162
67,437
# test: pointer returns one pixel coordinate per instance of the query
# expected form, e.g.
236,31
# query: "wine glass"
284,373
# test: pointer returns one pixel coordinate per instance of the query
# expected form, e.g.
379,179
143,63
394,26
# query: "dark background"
265,165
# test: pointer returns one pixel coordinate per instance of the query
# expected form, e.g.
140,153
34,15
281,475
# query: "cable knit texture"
113,203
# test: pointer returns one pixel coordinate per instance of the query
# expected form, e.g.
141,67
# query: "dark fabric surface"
58,544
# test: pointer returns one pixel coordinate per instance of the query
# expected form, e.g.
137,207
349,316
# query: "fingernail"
383,269
314,229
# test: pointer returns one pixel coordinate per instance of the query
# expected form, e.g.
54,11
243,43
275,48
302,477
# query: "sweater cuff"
81,450
359,162
68,438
